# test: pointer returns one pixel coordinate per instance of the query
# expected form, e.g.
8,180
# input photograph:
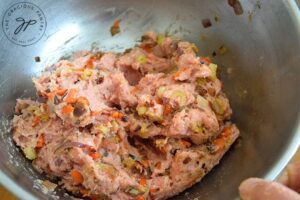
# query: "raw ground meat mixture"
145,124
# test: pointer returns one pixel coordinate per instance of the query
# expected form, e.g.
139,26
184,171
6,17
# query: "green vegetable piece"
141,110
141,59
160,39
197,128
213,68
202,102
30,153
218,106
103,129
160,91
181,95
129,162
134,192
200,81
86,74
144,130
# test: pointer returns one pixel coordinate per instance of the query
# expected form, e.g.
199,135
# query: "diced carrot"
83,100
95,155
226,132
206,59
93,197
35,121
84,192
77,177
185,143
71,98
66,110
143,182
117,114
220,143
158,100
140,198
61,91
117,23
95,113
168,109
147,47
41,141
90,62
154,190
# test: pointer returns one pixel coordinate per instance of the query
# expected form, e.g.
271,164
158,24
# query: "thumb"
258,189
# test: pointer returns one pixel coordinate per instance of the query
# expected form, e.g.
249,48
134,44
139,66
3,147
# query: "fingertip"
258,189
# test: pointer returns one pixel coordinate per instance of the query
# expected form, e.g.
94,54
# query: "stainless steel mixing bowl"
261,71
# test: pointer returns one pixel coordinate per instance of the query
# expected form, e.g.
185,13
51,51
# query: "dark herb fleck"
99,80
79,110
56,100
206,23
214,54
124,118
37,59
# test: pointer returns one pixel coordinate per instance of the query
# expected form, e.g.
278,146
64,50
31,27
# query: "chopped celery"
30,153
141,110
213,68
202,102
161,91
141,59
196,127
160,39
104,129
181,95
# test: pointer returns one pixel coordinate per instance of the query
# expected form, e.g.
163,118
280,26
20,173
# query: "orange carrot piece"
35,121
154,190
95,155
41,141
158,100
140,198
143,182
168,109
93,197
66,110
220,143
61,91
117,114
71,98
226,132
206,59
90,62
77,177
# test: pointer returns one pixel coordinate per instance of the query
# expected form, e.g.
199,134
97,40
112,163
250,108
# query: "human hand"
285,189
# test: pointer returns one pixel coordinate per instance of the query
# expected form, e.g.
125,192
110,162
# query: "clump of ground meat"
145,124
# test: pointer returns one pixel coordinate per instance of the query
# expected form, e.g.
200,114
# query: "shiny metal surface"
261,71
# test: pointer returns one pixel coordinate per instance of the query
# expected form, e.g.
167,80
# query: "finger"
258,189
291,176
